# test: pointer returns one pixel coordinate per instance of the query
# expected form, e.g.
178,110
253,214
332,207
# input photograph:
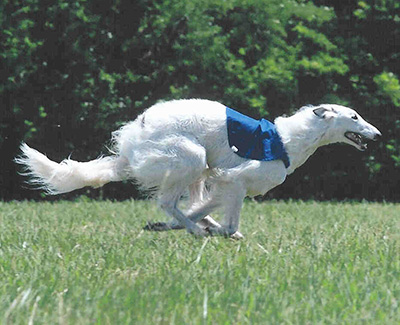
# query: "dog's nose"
377,136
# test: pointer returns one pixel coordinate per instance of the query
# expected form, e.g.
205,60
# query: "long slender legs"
233,195
201,207
168,202
198,212
230,196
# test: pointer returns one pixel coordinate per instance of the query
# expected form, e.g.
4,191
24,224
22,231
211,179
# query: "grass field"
300,263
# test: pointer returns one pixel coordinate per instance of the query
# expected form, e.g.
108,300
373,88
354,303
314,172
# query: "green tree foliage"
73,71
367,33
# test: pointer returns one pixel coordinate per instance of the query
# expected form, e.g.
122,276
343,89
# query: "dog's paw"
223,231
237,236
156,226
162,226
198,231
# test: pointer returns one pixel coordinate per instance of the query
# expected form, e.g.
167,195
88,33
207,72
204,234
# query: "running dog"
220,155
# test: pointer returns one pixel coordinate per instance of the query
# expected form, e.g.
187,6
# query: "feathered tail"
69,175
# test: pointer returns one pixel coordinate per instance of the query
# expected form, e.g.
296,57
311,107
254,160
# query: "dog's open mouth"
358,139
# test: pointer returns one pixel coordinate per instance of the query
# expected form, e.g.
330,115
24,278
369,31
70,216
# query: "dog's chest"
263,177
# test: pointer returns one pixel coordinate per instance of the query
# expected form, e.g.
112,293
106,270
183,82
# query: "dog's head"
344,124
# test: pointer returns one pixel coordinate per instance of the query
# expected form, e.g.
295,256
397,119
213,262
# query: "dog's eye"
354,117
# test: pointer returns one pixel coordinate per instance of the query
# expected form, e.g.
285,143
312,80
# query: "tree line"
73,71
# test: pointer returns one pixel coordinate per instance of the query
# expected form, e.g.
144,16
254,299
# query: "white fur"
68,175
182,144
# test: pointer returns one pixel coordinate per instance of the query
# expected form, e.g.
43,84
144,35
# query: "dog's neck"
301,135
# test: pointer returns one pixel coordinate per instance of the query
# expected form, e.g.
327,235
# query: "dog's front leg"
232,196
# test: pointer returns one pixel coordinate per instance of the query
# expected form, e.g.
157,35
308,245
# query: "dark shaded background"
72,72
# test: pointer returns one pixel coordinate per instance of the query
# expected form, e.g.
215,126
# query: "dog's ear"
324,112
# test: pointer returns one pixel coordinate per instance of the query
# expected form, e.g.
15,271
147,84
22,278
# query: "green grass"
300,263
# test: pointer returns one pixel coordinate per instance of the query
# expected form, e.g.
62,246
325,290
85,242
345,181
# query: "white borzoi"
179,145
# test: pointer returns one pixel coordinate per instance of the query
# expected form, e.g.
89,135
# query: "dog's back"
203,119
166,129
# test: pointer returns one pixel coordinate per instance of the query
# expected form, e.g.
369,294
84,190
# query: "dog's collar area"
254,139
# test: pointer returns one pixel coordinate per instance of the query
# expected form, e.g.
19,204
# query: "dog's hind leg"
169,203
178,166
200,208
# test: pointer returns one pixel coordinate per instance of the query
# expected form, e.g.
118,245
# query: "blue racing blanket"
254,139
